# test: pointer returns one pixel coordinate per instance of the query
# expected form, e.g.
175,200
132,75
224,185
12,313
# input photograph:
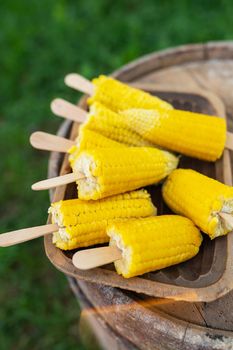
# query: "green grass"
40,42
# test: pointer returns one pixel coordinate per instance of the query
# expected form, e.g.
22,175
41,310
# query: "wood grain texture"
134,320
196,325
105,336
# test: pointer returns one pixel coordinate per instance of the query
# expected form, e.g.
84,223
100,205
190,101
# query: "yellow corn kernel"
200,199
153,243
110,124
119,96
83,224
88,139
193,134
109,171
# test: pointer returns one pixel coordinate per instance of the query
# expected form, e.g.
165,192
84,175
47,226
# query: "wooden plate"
207,276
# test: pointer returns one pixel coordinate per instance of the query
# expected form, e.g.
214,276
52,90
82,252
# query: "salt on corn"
119,96
153,243
193,134
108,172
201,199
82,224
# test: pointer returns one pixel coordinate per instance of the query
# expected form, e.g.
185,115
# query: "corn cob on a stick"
115,94
142,245
153,243
101,120
78,223
107,172
112,125
193,134
103,172
201,199
82,224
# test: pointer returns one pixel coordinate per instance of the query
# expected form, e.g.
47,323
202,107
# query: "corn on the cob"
193,134
119,96
110,124
199,198
153,243
88,139
110,171
82,224
105,129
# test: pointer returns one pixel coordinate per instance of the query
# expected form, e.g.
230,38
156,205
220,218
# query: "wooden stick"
77,82
57,181
91,258
48,142
229,141
228,218
67,110
27,234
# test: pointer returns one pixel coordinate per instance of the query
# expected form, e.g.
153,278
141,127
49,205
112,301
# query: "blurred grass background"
40,42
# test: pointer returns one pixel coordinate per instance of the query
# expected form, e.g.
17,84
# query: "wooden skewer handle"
229,141
67,110
91,258
48,142
27,234
56,181
77,82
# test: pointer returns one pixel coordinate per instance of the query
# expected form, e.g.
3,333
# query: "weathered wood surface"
94,331
158,322
148,328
